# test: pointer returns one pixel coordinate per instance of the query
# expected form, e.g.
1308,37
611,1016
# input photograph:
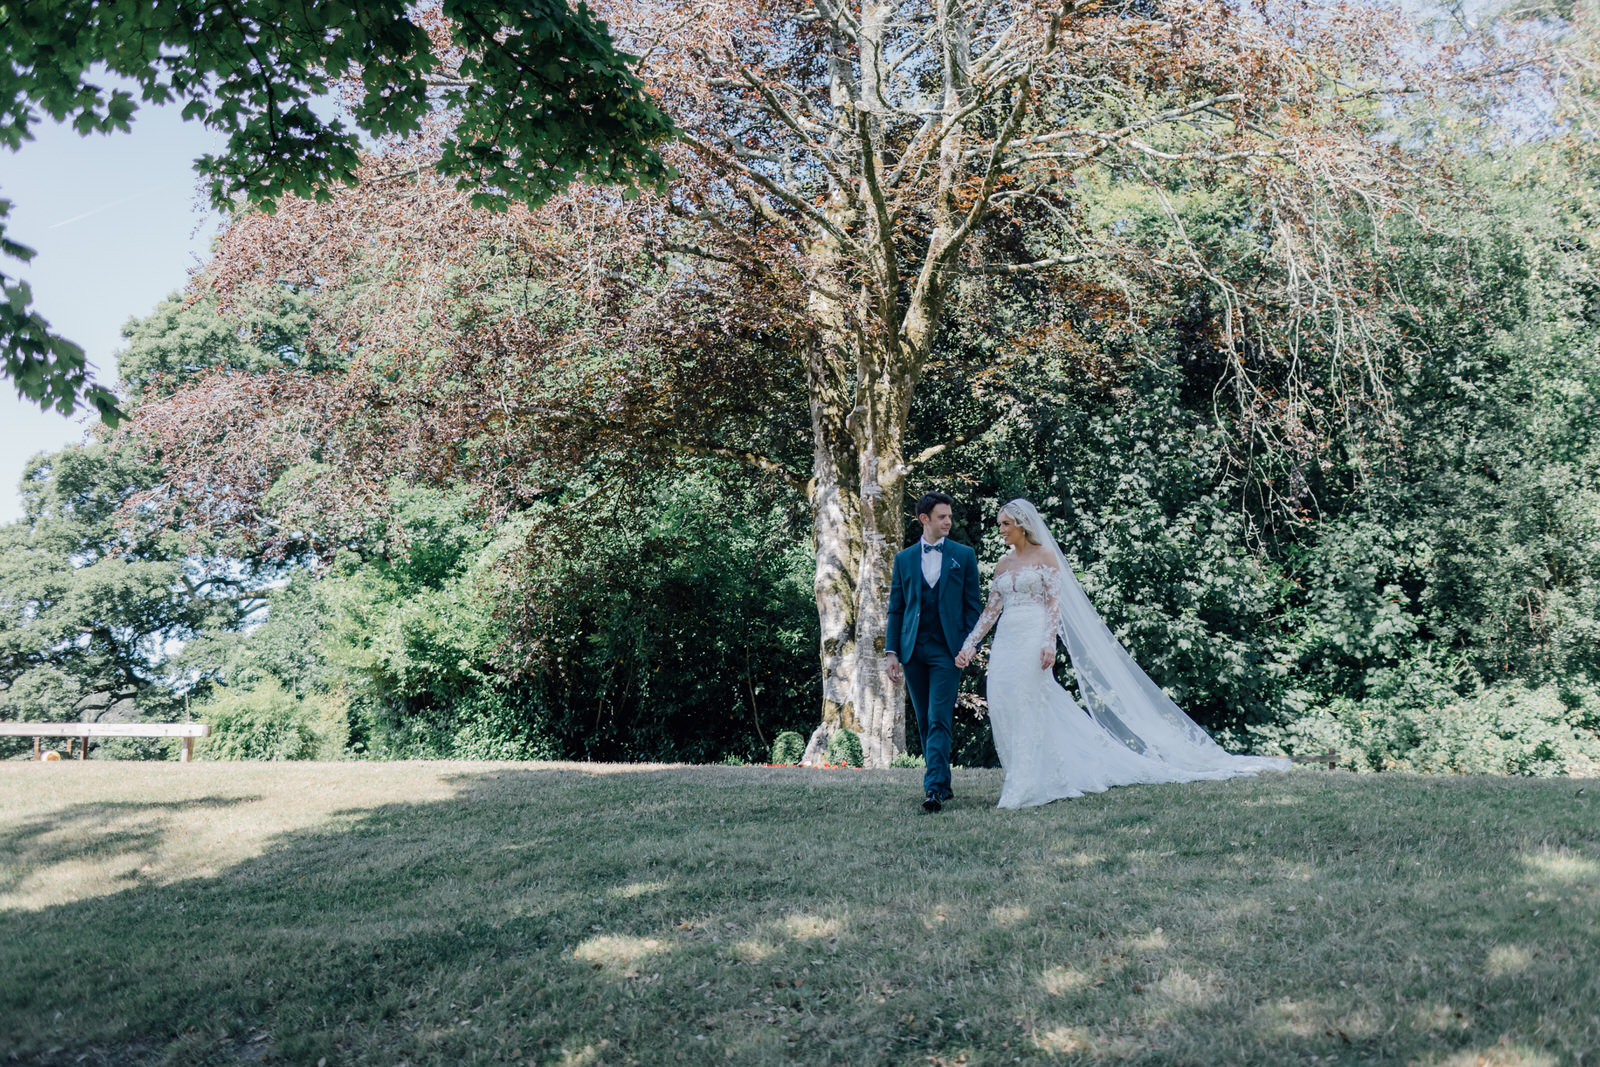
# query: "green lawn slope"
427,913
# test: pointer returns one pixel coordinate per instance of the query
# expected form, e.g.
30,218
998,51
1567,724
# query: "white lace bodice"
1034,586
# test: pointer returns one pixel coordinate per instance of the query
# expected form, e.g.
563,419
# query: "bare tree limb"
1007,269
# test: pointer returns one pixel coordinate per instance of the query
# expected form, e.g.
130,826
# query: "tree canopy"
529,95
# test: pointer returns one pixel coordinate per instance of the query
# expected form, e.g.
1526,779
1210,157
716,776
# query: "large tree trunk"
836,524
879,425
857,499
857,535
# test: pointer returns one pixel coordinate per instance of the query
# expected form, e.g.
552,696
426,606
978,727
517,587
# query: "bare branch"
943,446
793,200
888,261
1007,269
991,175
840,16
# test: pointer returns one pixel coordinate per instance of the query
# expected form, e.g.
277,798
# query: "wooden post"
188,748
35,746
83,753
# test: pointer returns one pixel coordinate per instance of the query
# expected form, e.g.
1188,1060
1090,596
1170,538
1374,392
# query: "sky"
118,223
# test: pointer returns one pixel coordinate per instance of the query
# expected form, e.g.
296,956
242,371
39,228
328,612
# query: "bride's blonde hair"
1016,516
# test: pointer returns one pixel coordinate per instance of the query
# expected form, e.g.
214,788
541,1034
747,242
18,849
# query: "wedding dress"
1050,747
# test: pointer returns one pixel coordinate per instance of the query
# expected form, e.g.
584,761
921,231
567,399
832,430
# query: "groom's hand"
963,658
892,667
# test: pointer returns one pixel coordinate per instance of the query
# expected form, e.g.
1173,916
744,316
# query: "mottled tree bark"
836,524
858,508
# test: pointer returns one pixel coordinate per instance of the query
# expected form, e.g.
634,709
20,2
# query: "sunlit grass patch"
1507,959
1062,1039
619,955
1060,980
810,927
1183,989
1436,1018
1500,1054
752,951
1561,865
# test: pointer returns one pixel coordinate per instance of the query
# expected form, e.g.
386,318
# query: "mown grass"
496,913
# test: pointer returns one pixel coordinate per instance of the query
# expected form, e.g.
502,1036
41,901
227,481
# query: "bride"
1049,747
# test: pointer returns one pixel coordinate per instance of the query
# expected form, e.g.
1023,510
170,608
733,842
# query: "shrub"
906,759
788,747
674,619
265,723
331,720
1509,729
845,747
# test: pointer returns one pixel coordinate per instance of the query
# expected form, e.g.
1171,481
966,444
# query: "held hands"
1047,659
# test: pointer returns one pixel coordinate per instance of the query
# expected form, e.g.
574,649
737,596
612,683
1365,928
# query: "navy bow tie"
933,548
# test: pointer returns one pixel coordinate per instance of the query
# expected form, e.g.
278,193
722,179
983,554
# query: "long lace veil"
1115,691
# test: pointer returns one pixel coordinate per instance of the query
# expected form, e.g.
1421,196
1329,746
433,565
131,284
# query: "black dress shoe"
931,802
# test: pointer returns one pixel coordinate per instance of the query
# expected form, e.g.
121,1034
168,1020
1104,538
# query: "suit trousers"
932,679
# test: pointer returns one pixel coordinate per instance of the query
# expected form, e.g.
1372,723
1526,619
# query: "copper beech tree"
847,178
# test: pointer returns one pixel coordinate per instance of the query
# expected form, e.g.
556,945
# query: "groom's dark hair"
928,501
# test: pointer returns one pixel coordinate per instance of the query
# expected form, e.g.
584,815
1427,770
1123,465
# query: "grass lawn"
432,913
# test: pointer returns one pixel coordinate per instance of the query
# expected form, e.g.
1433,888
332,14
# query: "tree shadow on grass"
719,915
86,832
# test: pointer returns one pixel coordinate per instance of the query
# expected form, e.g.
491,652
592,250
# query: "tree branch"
841,18
953,442
889,266
761,463
794,200
1024,268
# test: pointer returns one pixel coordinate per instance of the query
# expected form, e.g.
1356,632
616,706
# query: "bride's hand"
963,658
1047,658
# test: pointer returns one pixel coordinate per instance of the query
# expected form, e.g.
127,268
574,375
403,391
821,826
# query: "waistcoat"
929,628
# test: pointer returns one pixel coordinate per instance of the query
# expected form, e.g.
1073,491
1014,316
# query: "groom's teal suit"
927,625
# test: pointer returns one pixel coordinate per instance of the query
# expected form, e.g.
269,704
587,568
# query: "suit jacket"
960,598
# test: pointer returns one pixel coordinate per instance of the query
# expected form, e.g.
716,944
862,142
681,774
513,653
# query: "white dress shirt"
932,562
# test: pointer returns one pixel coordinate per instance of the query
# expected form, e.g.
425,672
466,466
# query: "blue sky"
118,222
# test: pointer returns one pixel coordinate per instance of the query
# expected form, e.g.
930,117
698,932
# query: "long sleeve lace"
1052,601
984,621
991,612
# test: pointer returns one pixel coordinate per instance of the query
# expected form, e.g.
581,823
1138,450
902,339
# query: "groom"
934,601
